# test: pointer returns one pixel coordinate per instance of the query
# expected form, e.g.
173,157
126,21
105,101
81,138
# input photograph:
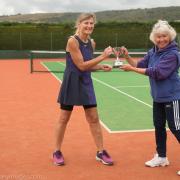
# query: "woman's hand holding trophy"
117,52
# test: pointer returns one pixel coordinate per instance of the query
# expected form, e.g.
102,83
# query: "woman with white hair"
161,64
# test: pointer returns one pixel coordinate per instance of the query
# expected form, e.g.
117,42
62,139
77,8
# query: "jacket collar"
172,45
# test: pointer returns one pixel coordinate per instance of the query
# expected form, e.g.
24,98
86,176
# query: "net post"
31,62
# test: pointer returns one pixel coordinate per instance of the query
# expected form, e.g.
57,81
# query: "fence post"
20,41
51,41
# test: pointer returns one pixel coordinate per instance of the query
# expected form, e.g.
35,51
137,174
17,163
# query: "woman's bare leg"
95,127
61,127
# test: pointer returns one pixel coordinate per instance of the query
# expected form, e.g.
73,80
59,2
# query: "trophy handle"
117,52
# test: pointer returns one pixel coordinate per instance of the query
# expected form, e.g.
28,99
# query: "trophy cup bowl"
117,53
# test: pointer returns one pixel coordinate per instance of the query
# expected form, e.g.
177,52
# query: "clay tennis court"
28,117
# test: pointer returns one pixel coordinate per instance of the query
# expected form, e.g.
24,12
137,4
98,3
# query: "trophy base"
117,66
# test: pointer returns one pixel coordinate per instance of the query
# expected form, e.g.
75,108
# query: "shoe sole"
56,164
162,165
105,163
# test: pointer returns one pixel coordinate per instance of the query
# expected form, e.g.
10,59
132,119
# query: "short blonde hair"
162,27
83,17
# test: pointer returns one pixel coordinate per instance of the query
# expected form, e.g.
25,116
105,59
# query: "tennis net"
40,61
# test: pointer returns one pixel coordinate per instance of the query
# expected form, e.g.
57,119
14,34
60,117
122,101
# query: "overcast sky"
10,7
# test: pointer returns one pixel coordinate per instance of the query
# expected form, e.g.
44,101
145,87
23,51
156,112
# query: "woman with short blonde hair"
77,86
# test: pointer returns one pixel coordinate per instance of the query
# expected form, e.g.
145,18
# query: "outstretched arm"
73,48
103,67
128,67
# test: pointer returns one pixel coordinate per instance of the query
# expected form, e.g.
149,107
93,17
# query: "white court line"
123,131
140,86
51,72
105,127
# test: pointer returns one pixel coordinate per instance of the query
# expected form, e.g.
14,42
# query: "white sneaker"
178,173
157,161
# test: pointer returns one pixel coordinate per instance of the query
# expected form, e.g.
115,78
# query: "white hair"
162,27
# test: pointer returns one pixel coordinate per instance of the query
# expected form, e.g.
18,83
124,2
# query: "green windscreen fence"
55,41
14,54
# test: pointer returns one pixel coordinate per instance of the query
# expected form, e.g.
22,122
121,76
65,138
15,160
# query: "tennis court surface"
123,98
29,113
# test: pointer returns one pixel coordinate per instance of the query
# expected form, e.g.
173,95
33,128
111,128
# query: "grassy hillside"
133,15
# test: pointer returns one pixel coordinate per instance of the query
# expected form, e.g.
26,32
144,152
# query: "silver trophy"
117,53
